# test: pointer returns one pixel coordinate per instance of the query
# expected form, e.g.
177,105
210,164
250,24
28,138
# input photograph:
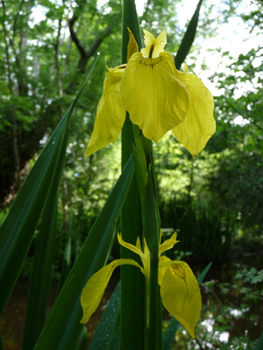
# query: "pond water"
235,316
231,307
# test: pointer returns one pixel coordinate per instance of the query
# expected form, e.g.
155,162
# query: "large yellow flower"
158,98
178,286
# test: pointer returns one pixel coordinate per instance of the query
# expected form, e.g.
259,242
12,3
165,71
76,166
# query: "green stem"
199,344
148,303
132,281
151,228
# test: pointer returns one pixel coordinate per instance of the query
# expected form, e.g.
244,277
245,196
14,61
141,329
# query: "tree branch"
59,82
242,115
7,50
84,55
14,125
96,43
16,18
60,91
74,36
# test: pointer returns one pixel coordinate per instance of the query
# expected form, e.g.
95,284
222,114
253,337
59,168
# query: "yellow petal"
136,249
180,295
153,46
93,291
110,115
199,124
132,46
149,39
168,244
163,264
162,39
154,94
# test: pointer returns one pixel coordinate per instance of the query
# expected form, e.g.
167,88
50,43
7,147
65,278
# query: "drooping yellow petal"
168,244
154,94
93,291
199,124
132,45
153,46
111,113
181,295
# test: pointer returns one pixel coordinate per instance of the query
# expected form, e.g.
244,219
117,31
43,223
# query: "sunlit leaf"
188,38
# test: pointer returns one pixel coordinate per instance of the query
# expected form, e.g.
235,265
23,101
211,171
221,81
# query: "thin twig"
242,115
84,55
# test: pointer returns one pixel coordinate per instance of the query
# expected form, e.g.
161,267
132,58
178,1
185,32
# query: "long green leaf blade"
63,327
19,226
188,38
260,343
41,276
66,261
104,335
41,273
203,273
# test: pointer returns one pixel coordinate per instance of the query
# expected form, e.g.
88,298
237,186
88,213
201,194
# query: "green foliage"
221,315
201,229
43,62
237,179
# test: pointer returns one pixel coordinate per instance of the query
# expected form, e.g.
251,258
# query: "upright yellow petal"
199,124
153,46
149,39
162,39
135,249
110,115
168,244
154,94
181,295
144,255
132,45
93,291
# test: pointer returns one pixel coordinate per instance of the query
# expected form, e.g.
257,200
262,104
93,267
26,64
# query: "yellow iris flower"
158,98
179,289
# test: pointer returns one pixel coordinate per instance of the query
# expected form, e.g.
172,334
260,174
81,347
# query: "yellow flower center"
150,61
151,51
179,271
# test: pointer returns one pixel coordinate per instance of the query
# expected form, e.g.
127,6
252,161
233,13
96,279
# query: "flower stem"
132,281
151,227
